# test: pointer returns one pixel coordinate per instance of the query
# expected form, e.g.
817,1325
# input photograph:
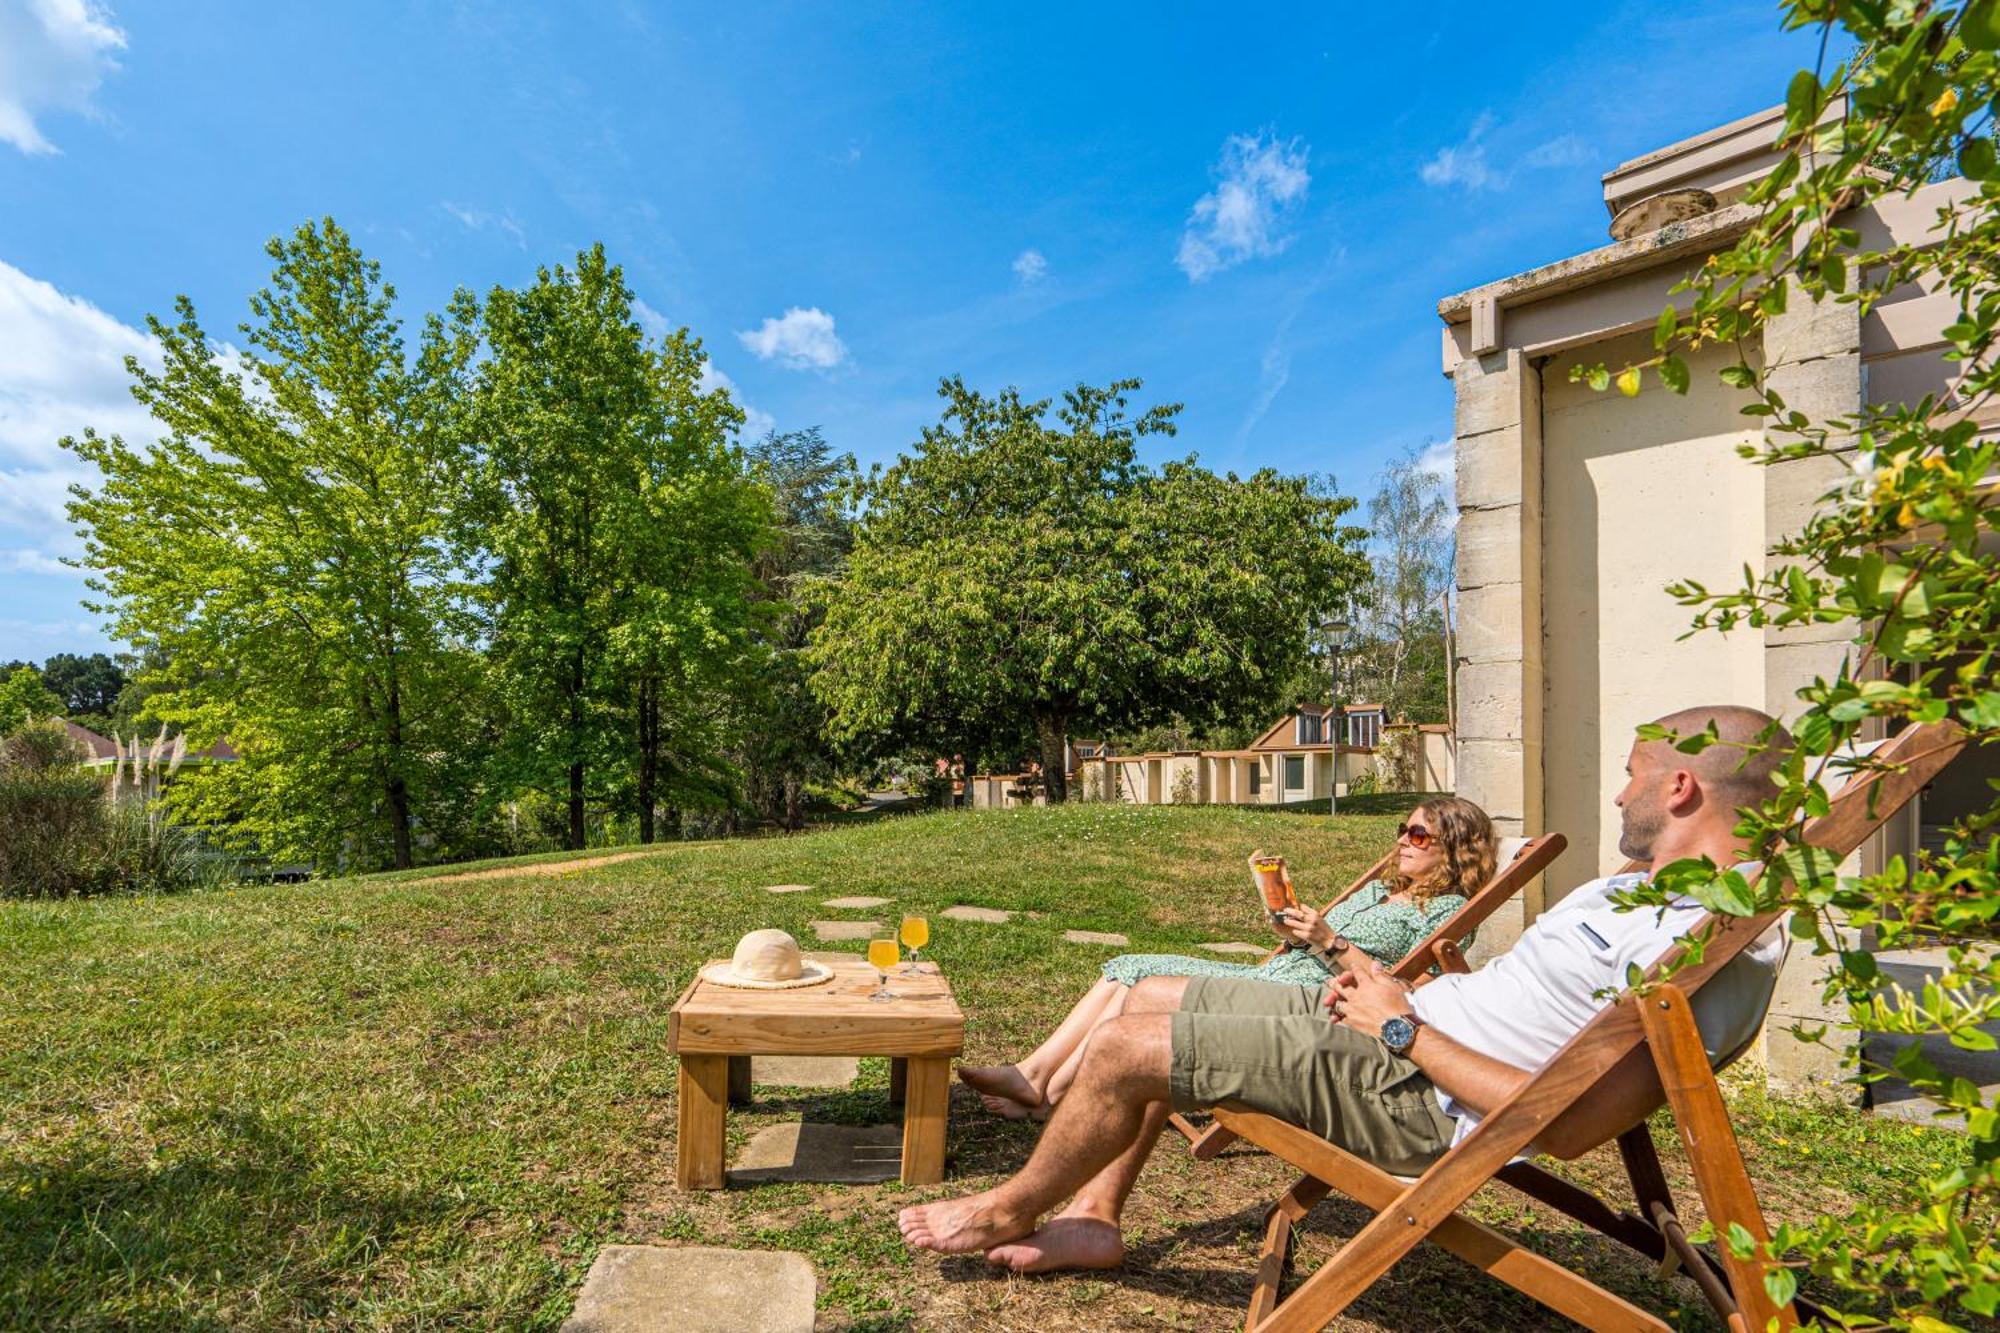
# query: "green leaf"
1833,272
1728,893
1739,377
1674,373
1802,98
1598,378
1782,1284
1628,381
1974,1039
1663,332
1982,710
1741,1243
1976,159
1979,27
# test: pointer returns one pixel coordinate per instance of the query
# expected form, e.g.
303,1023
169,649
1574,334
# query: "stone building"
1576,509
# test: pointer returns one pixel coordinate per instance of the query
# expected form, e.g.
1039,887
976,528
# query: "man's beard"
1640,823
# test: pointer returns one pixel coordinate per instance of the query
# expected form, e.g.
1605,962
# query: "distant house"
1294,759
102,753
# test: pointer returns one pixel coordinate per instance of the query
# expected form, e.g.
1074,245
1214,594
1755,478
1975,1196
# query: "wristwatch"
1331,953
1400,1032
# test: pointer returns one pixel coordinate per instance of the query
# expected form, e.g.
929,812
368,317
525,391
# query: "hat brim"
724,974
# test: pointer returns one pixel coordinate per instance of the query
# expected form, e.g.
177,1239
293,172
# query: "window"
1295,772
1309,729
1256,779
1363,728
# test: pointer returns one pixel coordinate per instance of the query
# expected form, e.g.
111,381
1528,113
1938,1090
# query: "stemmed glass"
915,934
882,955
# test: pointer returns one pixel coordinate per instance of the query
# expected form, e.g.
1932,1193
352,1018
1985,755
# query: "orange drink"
915,934
1274,881
882,955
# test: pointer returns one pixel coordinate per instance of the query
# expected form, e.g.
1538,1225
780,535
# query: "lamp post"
1335,630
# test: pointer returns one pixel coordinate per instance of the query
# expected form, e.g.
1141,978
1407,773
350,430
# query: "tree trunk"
1052,731
795,807
399,789
576,834
649,755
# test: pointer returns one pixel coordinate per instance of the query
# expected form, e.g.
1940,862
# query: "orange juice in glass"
915,934
882,955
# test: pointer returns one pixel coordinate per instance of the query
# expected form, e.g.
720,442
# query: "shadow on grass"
87,1237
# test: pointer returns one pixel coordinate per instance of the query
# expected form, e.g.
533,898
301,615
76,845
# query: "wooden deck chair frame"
1663,1028
1439,948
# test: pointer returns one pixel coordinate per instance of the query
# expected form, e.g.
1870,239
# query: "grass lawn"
404,1102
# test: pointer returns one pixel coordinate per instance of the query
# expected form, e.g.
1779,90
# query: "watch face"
1398,1033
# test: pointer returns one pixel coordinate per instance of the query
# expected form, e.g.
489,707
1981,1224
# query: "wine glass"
882,955
915,934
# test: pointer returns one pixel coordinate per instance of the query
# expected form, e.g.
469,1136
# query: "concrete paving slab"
1912,969
788,888
1094,937
1236,946
826,1154
854,902
804,1071
846,930
671,1289
992,916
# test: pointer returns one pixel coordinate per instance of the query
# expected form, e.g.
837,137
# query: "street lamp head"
1335,629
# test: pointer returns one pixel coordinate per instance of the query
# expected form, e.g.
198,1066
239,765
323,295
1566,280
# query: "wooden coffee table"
716,1029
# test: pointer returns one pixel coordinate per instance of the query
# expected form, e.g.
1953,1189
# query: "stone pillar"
1498,662
1813,358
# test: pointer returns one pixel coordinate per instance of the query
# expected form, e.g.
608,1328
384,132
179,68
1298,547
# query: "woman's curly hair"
1465,835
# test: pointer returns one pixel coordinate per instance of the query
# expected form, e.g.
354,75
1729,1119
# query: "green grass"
379,1102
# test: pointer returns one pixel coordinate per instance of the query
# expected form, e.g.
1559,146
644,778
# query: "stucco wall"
1637,493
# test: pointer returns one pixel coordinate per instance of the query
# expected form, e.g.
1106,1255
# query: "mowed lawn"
403,1102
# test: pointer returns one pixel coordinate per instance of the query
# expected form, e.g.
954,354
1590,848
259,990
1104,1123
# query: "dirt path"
540,868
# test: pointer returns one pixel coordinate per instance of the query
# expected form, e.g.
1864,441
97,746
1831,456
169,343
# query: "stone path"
846,930
1234,946
992,916
788,888
825,1154
804,1071
661,1289
1094,937
854,902
1912,969
539,868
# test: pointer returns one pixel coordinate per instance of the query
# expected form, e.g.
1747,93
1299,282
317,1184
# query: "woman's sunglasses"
1417,836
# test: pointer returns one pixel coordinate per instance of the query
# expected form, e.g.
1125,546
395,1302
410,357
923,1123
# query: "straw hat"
767,960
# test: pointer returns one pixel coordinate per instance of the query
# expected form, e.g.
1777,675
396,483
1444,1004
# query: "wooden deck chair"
1660,1028
1519,860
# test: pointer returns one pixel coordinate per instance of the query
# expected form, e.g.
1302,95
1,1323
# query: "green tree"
286,555
1903,547
784,735
89,686
1398,656
1018,573
24,699
619,524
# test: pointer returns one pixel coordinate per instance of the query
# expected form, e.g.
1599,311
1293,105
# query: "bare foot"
960,1226
1009,1109
1005,1081
1063,1243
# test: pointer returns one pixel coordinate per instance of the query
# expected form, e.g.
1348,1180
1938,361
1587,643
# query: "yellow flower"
1947,103
1907,516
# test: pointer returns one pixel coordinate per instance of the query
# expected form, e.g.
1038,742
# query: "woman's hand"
1302,925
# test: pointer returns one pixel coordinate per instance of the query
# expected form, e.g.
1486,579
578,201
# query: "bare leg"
1059,1081
1027,1081
1112,1112
1086,1233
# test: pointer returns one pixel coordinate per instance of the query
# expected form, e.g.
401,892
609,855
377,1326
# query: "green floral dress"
1384,930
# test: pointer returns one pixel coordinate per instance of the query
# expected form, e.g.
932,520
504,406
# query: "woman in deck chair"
1445,853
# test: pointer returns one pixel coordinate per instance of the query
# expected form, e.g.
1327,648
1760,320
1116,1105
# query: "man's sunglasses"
1418,837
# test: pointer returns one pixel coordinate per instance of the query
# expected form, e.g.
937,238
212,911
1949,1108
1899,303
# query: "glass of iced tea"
882,955
915,934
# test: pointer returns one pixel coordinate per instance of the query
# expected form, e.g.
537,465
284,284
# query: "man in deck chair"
1391,1075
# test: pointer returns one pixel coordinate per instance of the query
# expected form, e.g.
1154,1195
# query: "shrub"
1183,792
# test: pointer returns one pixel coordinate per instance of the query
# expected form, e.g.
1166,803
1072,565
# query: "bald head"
1674,799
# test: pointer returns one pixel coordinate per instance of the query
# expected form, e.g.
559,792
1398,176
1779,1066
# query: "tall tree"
1015,572
811,489
88,686
286,553
1399,659
620,525
24,699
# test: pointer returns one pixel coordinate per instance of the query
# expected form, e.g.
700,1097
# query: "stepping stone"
788,888
1234,946
805,1071
992,916
854,902
825,1154
1094,937
661,1289
847,930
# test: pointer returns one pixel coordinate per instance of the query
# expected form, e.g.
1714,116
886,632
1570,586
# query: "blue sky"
1254,209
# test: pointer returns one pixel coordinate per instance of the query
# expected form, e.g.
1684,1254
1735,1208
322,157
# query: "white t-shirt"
1525,1004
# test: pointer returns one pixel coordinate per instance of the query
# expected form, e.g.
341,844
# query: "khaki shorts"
1270,1046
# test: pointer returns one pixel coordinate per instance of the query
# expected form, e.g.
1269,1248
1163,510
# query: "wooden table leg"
926,1108
739,1080
704,1099
899,1079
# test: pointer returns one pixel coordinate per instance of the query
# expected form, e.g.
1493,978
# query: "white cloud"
1260,182
53,54
652,321
62,367
1440,459
477,219
756,422
1030,266
800,339
35,562
1464,163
